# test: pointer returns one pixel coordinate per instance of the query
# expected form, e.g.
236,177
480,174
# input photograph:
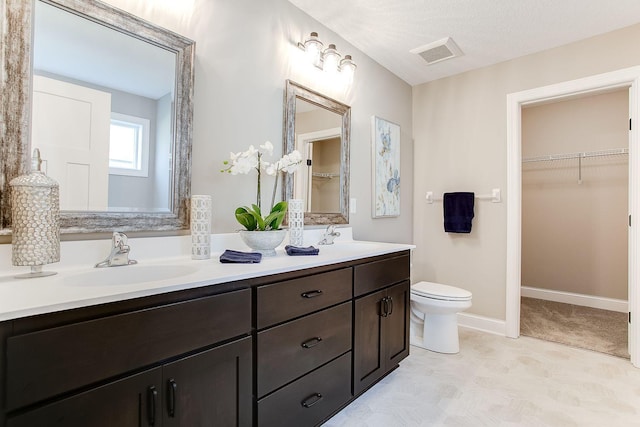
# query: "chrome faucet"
329,235
119,252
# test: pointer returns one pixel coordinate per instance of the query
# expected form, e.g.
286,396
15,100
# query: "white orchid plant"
251,218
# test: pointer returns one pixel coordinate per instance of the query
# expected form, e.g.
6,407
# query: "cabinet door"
381,334
210,388
131,402
368,349
396,325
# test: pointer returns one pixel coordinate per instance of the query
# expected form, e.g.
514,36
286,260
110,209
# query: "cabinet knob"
311,400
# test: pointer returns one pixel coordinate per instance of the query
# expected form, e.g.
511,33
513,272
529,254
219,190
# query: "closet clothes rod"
495,196
580,155
325,175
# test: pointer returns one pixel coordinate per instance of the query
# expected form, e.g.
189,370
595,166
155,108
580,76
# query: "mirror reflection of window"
128,145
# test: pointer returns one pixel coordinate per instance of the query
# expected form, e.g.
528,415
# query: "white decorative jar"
296,222
35,213
264,242
201,226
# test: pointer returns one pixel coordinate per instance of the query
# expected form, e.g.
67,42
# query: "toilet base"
438,332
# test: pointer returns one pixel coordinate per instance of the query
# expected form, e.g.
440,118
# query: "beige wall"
574,236
460,144
245,50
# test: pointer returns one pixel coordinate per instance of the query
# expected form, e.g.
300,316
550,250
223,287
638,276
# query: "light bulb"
331,59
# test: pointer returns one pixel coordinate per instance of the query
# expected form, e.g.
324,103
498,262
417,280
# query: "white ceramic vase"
264,242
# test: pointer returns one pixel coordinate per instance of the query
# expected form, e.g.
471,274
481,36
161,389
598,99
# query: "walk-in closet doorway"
628,80
575,179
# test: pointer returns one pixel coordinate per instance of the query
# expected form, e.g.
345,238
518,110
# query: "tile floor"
497,381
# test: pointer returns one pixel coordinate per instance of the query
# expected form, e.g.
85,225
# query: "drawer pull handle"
152,395
312,342
384,307
390,305
312,400
172,387
311,294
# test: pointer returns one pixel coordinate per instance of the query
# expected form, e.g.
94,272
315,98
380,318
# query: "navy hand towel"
230,256
458,212
297,250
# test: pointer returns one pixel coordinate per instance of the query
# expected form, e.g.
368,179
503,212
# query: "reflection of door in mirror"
70,126
139,79
325,177
318,183
318,137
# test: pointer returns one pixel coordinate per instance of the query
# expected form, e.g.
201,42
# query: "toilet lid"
440,291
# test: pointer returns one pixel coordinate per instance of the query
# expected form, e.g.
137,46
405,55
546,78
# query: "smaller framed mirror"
320,128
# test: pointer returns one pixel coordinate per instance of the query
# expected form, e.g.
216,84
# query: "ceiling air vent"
438,51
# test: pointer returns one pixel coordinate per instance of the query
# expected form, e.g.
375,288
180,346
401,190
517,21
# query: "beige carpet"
584,327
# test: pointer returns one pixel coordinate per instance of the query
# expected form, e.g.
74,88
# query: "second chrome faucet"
119,252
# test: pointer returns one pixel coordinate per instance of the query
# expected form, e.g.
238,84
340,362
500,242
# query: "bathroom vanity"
289,341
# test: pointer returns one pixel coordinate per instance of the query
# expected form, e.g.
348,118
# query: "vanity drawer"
279,302
289,351
309,400
53,361
379,274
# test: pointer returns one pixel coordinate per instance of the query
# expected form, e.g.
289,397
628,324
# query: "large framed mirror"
108,99
320,128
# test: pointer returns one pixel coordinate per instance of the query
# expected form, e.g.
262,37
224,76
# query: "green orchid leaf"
246,218
257,217
274,220
280,206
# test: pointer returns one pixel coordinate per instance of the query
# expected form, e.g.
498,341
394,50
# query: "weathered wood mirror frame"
16,25
293,92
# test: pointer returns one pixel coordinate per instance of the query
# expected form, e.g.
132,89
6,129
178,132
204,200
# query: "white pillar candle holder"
296,222
201,227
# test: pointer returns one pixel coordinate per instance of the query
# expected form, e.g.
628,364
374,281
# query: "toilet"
434,308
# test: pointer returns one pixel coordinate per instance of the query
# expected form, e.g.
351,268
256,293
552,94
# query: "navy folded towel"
458,212
297,250
231,256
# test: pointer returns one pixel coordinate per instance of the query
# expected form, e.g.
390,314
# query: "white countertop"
82,285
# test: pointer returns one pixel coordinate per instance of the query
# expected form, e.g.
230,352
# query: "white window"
129,145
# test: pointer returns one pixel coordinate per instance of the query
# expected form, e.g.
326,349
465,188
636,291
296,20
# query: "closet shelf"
580,155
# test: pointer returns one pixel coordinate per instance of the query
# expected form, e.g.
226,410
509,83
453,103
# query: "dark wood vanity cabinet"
381,319
289,349
178,364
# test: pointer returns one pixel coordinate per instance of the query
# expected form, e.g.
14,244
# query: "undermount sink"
128,275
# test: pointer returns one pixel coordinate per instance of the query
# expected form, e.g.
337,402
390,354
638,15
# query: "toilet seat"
440,292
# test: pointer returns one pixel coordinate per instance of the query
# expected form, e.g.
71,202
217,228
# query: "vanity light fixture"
313,48
329,59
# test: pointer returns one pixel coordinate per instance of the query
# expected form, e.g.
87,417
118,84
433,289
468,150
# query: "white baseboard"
602,303
481,323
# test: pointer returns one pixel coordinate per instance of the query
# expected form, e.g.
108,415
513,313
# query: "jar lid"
35,178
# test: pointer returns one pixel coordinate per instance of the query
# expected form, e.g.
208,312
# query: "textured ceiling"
487,31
